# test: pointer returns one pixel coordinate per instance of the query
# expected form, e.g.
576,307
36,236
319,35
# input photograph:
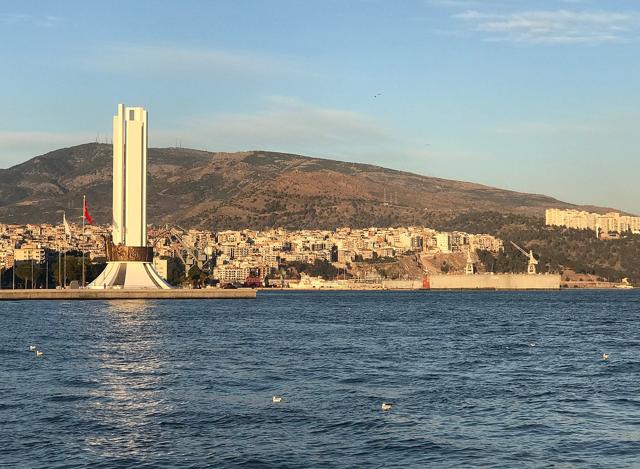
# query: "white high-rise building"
129,259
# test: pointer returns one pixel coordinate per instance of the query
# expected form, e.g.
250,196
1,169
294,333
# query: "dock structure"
128,294
493,282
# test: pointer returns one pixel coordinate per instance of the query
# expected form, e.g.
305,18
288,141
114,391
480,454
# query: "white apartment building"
581,220
443,242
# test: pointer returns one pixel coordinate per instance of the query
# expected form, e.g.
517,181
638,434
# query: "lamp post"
59,282
62,271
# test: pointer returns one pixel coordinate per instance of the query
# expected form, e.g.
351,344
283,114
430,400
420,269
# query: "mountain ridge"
250,189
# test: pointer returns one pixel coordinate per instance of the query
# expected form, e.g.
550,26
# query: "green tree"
30,274
175,272
196,276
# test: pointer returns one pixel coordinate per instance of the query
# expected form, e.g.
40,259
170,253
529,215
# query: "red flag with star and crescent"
86,214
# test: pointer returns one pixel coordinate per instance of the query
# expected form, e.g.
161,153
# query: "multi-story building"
162,267
443,242
29,252
611,222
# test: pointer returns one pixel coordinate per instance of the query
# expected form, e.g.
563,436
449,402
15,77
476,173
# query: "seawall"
494,282
402,284
85,294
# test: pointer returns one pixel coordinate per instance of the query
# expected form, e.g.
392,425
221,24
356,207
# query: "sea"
475,379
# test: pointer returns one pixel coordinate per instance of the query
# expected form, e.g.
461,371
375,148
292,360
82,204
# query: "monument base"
129,275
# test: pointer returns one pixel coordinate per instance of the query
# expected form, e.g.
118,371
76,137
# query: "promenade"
85,294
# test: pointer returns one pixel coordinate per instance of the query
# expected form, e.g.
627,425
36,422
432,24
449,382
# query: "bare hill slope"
248,189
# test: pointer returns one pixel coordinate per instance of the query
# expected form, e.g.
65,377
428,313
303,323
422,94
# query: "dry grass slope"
247,189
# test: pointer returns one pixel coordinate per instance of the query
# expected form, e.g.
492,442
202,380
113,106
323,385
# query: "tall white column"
129,176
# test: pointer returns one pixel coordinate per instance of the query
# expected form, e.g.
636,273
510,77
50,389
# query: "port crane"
188,253
531,268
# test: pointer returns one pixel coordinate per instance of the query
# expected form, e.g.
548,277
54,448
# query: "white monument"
129,259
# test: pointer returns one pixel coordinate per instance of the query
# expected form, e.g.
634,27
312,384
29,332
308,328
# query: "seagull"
32,348
386,406
605,356
532,344
276,399
377,94
39,353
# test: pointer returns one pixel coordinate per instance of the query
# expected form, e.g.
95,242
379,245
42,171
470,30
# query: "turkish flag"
86,215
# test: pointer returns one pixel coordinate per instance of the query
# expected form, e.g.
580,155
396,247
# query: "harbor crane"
188,253
531,268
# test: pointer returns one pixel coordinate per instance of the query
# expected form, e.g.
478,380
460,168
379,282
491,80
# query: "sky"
535,96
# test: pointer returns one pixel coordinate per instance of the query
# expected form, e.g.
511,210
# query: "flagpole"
60,262
84,205
64,218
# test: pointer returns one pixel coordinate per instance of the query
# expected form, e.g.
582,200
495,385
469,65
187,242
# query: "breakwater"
115,294
494,282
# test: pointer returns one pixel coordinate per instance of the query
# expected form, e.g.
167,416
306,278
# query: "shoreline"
440,289
123,294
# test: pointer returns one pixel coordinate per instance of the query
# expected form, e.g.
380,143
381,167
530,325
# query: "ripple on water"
189,384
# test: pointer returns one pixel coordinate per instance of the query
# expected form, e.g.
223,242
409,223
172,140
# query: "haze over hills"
255,189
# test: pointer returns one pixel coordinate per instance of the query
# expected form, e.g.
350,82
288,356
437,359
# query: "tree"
175,272
73,268
196,276
334,253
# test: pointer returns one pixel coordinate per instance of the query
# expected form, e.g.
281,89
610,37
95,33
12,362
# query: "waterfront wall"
86,294
402,284
494,282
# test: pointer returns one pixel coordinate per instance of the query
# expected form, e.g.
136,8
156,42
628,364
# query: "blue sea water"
478,379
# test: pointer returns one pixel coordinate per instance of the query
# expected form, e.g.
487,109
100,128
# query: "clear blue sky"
537,96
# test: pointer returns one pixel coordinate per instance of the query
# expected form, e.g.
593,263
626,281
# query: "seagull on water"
32,348
386,406
276,399
605,356
39,353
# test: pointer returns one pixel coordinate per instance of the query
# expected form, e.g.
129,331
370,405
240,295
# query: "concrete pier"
116,294
494,282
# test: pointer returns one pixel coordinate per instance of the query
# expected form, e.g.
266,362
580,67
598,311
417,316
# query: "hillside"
249,189
557,248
